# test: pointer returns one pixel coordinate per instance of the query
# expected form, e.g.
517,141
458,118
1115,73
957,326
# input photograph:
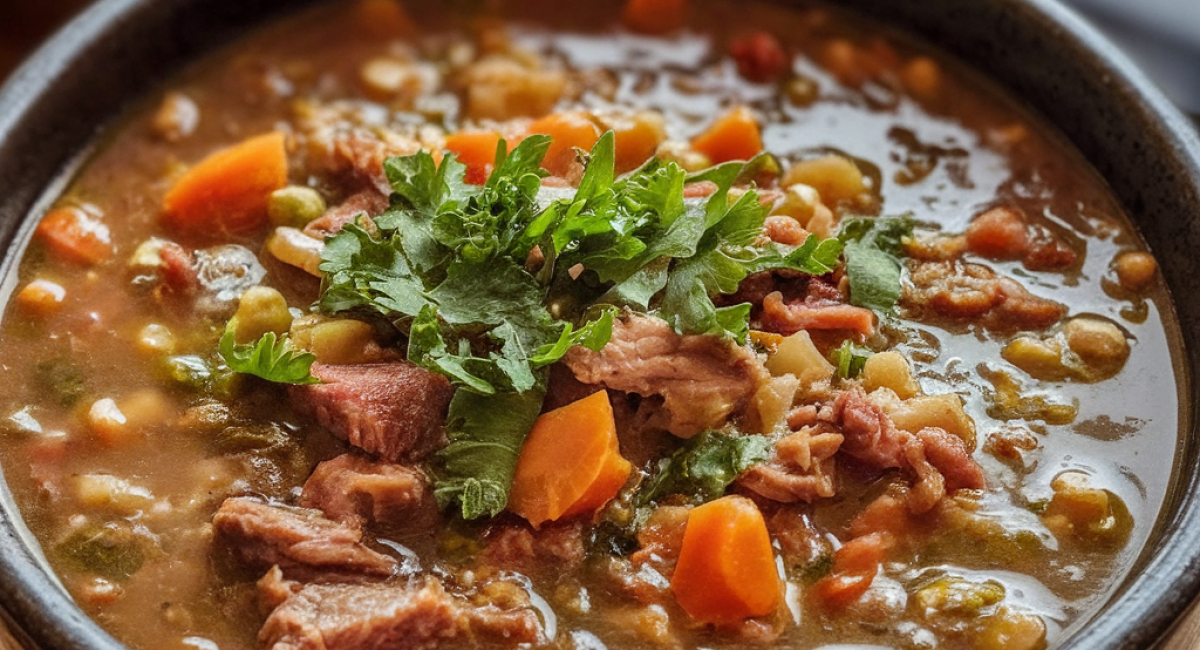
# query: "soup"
397,326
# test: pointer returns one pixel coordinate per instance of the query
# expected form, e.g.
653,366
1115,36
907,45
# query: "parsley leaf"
272,357
873,248
849,359
705,466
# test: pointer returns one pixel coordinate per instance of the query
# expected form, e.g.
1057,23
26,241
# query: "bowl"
52,109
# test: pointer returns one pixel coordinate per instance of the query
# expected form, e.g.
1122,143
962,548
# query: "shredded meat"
1002,233
939,459
344,143
387,616
354,488
817,314
701,379
261,535
395,410
801,467
369,203
964,292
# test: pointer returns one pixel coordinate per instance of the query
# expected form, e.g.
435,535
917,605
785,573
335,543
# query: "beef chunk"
354,488
299,540
969,293
513,544
390,616
394,410
702,379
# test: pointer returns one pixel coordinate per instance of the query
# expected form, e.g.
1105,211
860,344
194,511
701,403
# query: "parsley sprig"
450,264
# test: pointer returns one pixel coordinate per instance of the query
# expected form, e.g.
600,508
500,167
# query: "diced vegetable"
654,16
890,370
944,411
835,178
726,570
734,136
108,424
854,567
61,380
476,150
797,355
229,191
569,131
774,399
293,247
1135,270
112,493
295,206
637,136
1081,511
1009,630
41,297
336,341
113,550
955,595
261,310
155,339
570,463
76,235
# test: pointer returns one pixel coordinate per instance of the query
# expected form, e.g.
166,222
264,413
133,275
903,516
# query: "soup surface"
665,324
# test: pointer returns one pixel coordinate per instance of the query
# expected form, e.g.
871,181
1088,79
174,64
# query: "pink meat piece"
354,488
394,410
703,380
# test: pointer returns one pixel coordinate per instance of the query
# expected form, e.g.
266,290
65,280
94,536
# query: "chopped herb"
61,379
271,357
873,248
705,466
113,550
849,359
449,263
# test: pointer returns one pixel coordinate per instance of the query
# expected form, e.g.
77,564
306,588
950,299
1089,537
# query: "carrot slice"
726,569
636,138
854,567
75,234
654,16
569,131
228,191
570,463
734,136
476,150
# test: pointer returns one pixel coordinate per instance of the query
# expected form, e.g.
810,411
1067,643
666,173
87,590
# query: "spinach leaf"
271,357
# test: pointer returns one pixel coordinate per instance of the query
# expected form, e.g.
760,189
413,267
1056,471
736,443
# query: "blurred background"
1162,36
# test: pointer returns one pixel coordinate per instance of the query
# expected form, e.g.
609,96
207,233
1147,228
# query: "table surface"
33,19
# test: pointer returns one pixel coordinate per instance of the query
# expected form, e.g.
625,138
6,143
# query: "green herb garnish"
492,283
271,357
849,359
705,466
873,249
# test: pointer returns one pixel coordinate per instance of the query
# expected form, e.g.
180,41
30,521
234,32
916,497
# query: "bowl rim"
46,617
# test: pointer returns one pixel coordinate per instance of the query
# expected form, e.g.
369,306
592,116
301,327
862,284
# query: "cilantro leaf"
271,357
594,335
705,466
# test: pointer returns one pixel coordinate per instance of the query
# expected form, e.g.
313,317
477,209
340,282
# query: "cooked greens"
873,248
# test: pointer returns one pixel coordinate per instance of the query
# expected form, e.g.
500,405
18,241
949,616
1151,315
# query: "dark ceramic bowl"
52,109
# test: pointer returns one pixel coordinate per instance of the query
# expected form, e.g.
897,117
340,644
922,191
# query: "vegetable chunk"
735,136
570,463
726,570
229,191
